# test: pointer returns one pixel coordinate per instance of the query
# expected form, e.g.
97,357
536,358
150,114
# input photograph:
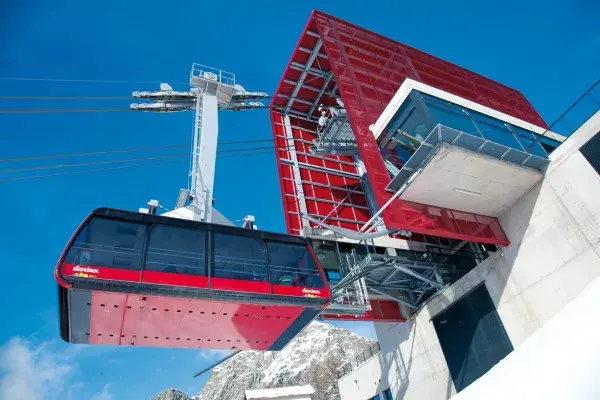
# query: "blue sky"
550,52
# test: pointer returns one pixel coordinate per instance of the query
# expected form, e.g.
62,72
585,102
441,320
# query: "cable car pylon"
211,90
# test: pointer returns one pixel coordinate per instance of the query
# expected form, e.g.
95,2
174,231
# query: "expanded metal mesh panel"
368,70
330,186
378,66
335,58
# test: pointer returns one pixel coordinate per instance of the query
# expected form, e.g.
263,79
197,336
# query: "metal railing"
359,360
580,111
334,133
204,72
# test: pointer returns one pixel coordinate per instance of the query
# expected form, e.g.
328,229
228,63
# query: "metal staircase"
353,298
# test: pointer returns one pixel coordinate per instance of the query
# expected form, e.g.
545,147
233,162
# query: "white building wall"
365,382
283,393
554,254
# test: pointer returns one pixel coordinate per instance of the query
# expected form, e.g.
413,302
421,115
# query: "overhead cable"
113,168
85,80
63,98
134,150
44,167
87,171
93,153
65,110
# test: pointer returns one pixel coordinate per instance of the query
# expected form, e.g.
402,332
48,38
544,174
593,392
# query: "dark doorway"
591,151
472,337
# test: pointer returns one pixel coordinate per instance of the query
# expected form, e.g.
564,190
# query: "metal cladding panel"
325,187
368,70
121,319
381,311
376,66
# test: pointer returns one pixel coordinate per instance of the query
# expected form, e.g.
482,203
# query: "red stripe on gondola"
190,281
173,279
240,285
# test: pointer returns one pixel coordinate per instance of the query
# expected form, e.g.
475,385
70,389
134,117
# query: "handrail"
587,94
359,360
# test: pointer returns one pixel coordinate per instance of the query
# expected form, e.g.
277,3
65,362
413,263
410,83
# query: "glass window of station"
421,113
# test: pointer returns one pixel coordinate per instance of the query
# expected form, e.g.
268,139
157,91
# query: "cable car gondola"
133,279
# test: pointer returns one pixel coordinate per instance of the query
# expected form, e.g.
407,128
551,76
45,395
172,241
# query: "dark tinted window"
472,337
591,151
293,265
387,394
239,257
548,148
176,250
109,243
326,254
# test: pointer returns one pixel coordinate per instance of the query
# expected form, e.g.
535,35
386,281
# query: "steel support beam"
309,63
350,279
296,114
291,148
309,51
388,276
302,67
345,232
394,298
296,99
325,170
318,98
414,274
304,85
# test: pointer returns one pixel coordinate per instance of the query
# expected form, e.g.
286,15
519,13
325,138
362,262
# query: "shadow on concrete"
400,364
515,226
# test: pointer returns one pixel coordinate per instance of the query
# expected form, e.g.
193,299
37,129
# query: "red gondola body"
143,280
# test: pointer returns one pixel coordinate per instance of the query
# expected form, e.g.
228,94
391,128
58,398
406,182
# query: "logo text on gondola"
311,292
85,272
85,269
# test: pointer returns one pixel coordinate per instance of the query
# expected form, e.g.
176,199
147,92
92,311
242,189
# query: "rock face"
171,394
311,358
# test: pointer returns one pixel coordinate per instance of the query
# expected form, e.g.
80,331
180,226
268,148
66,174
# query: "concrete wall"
365,382
554,253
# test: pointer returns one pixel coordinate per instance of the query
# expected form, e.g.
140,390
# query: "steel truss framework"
408,279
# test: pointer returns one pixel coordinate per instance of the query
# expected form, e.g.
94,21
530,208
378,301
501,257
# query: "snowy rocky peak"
312,358
172,394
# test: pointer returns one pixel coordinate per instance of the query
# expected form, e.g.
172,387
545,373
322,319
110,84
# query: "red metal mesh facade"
368,69
325,181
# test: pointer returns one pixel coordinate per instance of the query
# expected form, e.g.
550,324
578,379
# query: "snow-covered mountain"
172,394
311,358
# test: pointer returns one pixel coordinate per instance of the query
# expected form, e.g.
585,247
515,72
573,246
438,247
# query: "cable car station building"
440,205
